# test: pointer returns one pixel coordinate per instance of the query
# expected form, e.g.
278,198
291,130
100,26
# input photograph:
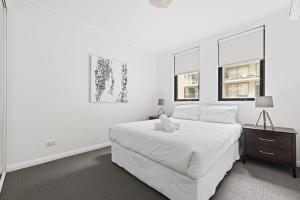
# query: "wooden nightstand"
153,117
277,146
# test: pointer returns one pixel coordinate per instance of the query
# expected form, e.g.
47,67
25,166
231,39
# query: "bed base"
173,184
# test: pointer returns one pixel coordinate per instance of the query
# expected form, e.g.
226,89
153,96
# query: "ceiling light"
295,10
161,3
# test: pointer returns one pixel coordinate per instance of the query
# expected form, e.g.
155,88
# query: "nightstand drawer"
269,139
267,153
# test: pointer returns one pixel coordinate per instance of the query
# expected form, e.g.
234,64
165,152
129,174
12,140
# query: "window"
241,66
187,86
241,80
186,78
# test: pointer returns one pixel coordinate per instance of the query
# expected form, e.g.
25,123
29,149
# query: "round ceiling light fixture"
160,3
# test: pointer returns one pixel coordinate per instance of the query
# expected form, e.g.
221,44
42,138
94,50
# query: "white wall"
48,84
282,72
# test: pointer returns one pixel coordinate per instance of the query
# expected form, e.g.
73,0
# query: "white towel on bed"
159,126
167,123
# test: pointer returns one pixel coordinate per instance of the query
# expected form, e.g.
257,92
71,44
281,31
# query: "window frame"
262,70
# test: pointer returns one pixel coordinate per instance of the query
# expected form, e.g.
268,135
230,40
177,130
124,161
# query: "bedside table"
153,117
277,145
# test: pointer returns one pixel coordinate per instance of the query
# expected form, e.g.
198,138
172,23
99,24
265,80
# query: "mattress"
191,151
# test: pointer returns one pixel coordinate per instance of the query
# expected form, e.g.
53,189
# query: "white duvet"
192,150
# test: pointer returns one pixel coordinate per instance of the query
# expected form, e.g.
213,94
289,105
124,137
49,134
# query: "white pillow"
190,112
219,114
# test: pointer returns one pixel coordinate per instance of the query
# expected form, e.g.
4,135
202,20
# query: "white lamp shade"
264,102
161,102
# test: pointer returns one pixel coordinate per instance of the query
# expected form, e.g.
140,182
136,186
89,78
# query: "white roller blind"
243,47
187,61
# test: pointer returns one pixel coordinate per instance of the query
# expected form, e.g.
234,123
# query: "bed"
186,164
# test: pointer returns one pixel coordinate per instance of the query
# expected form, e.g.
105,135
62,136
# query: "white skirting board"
38,161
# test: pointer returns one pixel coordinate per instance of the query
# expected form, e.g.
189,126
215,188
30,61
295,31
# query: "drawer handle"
263,139
267,153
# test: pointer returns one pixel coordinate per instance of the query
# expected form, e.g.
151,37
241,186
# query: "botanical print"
103,73
109,79
123,94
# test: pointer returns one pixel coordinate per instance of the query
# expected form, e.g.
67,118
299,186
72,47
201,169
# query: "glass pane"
187,86
241,80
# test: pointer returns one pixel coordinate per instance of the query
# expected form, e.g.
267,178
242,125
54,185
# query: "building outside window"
187,86
241,80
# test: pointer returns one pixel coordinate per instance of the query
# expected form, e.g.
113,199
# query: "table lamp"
161,103
264,102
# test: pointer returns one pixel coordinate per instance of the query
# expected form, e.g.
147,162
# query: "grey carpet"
92,176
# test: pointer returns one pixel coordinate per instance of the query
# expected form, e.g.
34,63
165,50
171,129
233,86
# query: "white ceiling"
157,30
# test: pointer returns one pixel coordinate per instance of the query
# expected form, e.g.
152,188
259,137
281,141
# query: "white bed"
186,164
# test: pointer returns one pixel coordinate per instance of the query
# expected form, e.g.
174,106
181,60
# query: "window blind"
246,46
187,61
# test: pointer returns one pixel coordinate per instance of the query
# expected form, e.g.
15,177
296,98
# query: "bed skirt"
173,184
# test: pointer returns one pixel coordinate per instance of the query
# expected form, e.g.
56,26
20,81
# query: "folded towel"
167,123
159,126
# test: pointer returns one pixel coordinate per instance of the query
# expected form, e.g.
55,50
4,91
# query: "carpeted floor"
92,176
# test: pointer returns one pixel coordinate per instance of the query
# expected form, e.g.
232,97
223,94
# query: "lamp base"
161,111
265,115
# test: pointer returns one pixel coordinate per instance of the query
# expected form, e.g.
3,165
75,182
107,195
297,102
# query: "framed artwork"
109,80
